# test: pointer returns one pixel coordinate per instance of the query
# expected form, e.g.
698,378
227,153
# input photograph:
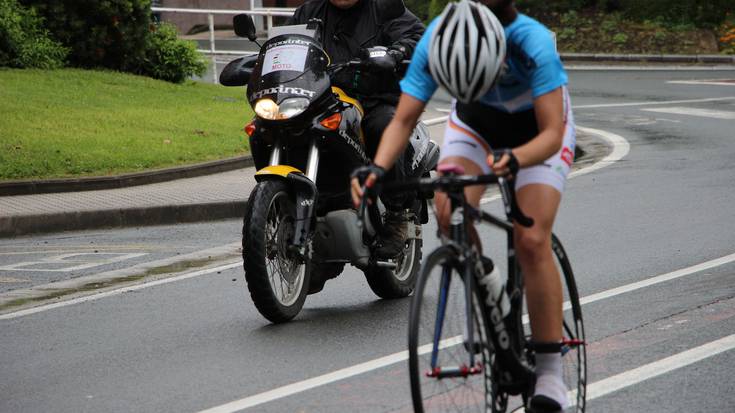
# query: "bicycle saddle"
450,169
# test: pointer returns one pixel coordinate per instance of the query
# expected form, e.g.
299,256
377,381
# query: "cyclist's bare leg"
533,245
442,205
543,290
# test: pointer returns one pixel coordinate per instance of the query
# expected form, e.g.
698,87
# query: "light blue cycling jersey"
532,68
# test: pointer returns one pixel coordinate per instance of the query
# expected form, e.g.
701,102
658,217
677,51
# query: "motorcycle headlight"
268,109
292,107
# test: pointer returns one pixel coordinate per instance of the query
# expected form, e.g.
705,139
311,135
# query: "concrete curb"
125,180
132,217
643,58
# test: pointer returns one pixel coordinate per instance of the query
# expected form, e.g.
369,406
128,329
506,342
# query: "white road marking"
705,113
669,102
713,82
658,279
70,262
657,368
639,68
119,291
298,387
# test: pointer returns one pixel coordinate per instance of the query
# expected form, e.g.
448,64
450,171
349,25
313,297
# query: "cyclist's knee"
532,245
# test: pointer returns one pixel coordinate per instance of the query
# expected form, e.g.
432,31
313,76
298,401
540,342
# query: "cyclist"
510,91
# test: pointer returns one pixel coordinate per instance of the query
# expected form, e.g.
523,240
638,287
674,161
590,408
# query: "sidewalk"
203,198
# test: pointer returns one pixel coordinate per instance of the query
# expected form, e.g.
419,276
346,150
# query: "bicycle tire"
574,355
433,394
574,350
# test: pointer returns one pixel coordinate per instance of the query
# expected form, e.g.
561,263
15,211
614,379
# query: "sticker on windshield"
286,57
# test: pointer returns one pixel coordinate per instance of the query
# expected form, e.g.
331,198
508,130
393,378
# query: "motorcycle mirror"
238,71
389,9
244,26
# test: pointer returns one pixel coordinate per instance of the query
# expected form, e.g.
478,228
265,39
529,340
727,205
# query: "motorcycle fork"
306,196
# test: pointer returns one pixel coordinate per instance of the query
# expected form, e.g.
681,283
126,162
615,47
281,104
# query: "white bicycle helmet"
467,50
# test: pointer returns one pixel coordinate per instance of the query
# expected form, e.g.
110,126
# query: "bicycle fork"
464,370
458,233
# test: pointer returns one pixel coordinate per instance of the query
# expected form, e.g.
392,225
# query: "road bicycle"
464,355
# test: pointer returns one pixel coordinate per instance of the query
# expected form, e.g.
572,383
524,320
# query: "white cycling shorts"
460,140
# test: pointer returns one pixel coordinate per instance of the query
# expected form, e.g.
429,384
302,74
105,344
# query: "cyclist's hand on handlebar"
366,179
503,163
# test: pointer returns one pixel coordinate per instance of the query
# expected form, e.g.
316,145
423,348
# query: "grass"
71,123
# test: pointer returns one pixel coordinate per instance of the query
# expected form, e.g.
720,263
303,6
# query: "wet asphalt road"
199,343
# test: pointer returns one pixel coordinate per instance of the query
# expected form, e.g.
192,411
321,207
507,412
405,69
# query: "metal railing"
268,13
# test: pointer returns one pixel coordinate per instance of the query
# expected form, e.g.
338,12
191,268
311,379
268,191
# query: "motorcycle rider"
351,30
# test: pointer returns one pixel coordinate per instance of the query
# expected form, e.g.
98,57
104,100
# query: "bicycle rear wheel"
442,378
574,355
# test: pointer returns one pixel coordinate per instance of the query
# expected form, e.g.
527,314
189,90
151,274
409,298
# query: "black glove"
512,163
381,58
362,174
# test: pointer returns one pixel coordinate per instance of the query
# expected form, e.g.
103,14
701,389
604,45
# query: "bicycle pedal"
454,371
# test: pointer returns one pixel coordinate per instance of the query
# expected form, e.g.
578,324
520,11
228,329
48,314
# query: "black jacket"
346,32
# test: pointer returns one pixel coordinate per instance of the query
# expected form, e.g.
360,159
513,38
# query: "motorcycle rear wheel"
277,283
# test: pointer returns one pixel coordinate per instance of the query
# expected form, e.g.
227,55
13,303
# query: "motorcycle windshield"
289,66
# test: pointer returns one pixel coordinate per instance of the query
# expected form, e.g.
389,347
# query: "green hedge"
119,35
24,43
701,13
110,33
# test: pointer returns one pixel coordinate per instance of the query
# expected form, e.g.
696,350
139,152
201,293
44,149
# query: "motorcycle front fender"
305,192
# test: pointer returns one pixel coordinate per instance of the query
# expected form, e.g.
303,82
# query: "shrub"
24,43
700,13
119,35
110,33
169,58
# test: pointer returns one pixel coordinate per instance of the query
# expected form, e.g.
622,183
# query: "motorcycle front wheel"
277,281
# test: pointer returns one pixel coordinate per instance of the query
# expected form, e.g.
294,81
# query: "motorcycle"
299,226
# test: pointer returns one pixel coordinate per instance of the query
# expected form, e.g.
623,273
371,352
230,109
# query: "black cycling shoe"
393,240
542,404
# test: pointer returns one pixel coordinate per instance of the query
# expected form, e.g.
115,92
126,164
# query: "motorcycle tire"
399,282
277,283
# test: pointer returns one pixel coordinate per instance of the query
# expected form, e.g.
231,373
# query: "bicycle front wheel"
447,372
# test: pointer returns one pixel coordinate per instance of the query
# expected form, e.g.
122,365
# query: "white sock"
549,378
